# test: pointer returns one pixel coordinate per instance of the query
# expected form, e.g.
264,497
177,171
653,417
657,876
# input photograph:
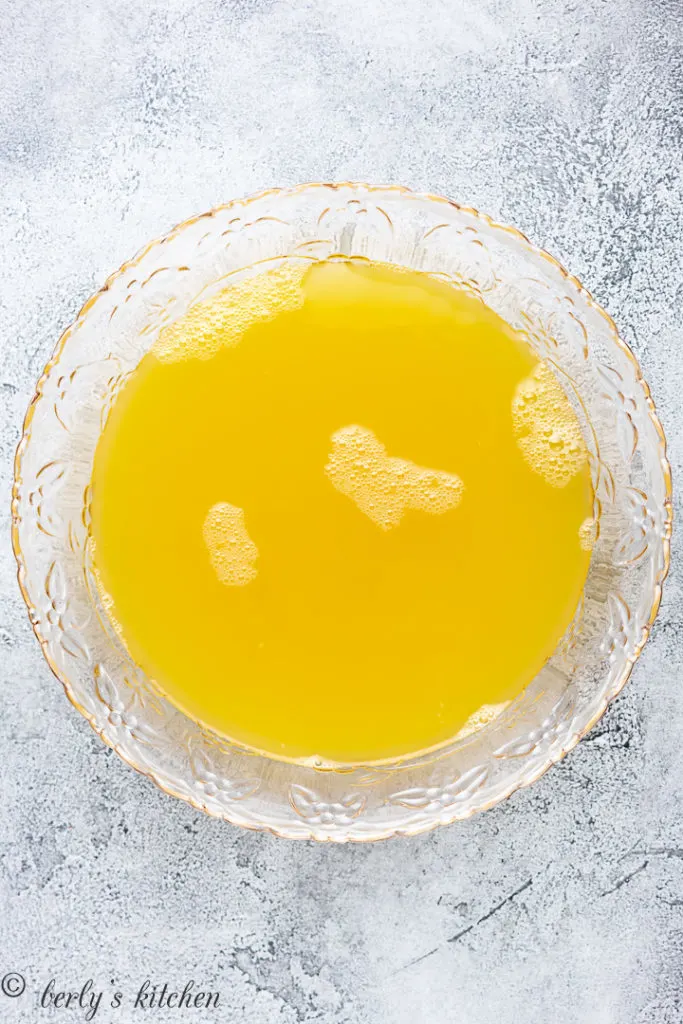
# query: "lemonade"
339,510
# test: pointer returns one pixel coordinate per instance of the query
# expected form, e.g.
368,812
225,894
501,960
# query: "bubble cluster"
588,533
484,715
231,549
546,428
384,487
221,321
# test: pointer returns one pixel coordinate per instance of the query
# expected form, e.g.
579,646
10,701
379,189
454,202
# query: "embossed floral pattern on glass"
630,477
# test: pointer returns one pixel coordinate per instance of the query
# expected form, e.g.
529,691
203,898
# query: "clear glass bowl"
532,292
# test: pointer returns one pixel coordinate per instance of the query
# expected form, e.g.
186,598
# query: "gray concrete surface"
119,118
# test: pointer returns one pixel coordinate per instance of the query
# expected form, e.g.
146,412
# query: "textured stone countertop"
119,119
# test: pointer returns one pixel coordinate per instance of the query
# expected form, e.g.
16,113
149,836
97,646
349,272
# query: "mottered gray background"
119,118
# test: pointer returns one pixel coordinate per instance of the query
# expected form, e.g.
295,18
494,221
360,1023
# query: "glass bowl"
631,481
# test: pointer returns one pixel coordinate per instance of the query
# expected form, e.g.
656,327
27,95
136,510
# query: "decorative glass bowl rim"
519,238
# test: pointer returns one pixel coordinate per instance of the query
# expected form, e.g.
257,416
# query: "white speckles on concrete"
118,119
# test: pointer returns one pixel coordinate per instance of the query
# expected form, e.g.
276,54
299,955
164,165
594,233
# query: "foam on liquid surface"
384,487
231,550
546,427
220,322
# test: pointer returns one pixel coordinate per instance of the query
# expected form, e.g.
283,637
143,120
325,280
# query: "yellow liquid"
339,511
